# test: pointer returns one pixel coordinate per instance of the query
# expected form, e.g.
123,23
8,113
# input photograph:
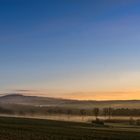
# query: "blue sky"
70,48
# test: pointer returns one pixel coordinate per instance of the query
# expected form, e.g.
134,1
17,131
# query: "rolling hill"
58,102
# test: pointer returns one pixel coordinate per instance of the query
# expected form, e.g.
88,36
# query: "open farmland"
36,129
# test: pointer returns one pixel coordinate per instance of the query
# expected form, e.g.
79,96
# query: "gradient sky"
82,49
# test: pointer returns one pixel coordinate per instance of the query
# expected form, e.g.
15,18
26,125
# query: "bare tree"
105,112
96,112
82,113
69,112
109,112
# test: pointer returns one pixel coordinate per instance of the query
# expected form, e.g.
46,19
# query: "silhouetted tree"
69,112
105,112
96,112
82,113
109,112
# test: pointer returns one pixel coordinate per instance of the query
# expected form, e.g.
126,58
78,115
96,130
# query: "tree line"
106,112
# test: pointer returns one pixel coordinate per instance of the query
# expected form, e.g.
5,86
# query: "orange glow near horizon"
107,86
106,96
89,95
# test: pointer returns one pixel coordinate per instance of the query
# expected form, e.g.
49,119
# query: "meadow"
37,129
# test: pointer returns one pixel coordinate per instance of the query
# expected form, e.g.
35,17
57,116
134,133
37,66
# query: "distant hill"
47,101
30,100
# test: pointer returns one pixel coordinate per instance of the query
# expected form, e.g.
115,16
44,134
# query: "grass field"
35,129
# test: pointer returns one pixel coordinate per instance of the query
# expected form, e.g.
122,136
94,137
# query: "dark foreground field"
35,129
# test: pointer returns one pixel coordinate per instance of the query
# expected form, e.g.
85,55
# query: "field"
37,129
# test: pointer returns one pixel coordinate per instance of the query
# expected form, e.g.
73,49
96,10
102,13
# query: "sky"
77,49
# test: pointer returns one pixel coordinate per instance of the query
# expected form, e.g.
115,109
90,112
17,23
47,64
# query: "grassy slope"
34,129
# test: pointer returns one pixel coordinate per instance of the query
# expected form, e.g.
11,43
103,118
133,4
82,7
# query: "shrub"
98,122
